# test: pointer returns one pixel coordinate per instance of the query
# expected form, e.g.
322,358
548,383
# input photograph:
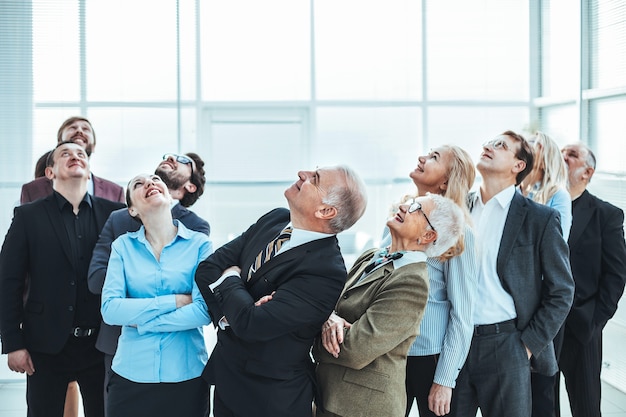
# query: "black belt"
83,332
502,327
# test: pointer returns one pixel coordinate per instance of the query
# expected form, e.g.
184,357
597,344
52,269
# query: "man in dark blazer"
76,129
261,364
598,257
184,176
524,284
49,322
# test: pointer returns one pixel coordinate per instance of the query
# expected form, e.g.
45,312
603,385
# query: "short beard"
168,179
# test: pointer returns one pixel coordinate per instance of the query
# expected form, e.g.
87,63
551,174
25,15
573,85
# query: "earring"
418,241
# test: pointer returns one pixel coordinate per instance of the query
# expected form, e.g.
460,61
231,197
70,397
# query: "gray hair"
349,198
449,222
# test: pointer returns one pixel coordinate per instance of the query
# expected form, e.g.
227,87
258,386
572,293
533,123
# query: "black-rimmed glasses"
180,158
415,206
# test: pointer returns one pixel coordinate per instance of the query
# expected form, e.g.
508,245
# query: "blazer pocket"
373,380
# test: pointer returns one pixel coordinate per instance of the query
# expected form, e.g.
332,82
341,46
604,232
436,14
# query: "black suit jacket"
261,364
37,246
120,222
598,257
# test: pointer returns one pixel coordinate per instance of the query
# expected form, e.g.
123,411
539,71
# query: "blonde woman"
439,351
547,182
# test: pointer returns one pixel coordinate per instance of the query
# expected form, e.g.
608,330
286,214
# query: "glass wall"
262,89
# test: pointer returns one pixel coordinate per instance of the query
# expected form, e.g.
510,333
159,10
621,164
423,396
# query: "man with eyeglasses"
598,256
525,287
185,178
79,130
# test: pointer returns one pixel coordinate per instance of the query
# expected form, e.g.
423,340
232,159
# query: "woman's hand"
183,299
333,333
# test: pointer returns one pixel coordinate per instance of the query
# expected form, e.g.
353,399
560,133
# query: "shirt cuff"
222,278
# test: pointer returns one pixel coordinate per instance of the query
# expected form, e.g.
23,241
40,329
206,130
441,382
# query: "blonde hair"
461,175
549,170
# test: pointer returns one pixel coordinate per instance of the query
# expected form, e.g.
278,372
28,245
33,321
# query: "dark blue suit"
261,364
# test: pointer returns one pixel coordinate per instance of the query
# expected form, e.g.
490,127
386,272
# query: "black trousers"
420,372
581,365
167,399
78,361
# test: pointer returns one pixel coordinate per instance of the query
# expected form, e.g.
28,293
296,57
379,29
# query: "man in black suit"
184,176
261,364
49,322
598,256
525,287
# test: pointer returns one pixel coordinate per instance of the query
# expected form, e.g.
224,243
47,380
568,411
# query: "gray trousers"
495,377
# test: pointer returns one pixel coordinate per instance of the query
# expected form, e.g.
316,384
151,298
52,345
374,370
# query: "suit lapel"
512,226
580,217
377,274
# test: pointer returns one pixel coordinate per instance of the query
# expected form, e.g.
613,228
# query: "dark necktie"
390,257
270,250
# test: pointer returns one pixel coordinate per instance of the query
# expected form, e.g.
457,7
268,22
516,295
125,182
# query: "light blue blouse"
159,342
561,201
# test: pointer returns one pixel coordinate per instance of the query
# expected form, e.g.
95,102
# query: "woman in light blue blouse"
150,290
439,351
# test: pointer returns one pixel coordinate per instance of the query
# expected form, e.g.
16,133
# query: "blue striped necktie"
270,250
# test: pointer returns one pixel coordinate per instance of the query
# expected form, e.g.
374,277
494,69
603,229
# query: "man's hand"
333,333
439,399
264,299
20,361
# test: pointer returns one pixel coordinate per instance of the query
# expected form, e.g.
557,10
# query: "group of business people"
280,292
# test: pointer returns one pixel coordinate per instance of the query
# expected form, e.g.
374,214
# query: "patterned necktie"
270,251
390,257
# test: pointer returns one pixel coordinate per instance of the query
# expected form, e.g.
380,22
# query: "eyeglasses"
415,206
180,158
497,144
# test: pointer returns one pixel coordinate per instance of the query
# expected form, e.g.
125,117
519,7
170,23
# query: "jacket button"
71,308
345,296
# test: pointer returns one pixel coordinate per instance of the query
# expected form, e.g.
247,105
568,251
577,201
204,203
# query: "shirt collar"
409,257
301,236
503,198
62,201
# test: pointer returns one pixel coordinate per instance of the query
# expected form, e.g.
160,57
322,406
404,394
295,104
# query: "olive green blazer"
385,309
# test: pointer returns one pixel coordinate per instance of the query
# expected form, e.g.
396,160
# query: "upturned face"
305,196
70,161
147,191
431,173
81,133
499,157
174,173
411,220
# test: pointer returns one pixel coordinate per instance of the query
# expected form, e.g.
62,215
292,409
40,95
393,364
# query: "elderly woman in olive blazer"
361,353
